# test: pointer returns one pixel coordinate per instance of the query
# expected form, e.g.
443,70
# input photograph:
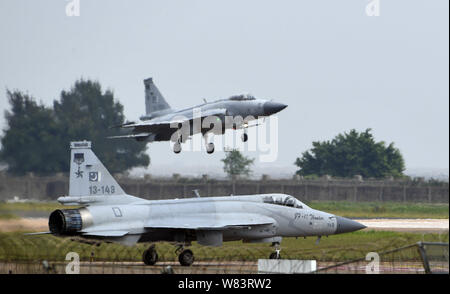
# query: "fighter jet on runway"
109,214
162,123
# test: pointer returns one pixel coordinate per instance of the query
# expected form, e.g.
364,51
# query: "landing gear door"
209,238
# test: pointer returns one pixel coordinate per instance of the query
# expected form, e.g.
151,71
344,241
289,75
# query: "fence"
52,255
47,254
422,257
330,189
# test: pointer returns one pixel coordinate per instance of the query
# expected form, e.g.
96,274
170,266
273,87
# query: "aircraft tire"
210,148
186,258
274,255
150,257
177,147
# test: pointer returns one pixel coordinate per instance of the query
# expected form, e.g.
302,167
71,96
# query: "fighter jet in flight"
109,214
162,123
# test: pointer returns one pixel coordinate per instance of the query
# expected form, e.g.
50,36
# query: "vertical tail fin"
154,101
88,176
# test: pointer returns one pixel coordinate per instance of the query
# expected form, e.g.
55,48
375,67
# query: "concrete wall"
45,188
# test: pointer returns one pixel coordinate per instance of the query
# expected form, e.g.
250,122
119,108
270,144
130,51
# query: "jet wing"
209,221
155,125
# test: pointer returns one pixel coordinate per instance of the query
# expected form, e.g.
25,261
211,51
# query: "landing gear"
177,147
276,254
210,148
150,257
186,257
244,137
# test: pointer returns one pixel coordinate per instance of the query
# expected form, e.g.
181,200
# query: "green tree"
28,140
235,164
352,154
85,112
37,138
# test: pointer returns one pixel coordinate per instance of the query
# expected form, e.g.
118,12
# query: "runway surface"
406,225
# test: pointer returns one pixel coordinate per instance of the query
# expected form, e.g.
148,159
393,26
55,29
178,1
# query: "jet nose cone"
273,107
345,225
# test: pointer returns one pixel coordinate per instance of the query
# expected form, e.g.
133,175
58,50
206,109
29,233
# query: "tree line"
36,140
37,137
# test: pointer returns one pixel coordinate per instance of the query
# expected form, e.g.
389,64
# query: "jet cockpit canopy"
242,97
285,200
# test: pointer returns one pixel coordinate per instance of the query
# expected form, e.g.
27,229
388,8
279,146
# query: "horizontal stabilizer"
68,200
140,135
37,233
100,199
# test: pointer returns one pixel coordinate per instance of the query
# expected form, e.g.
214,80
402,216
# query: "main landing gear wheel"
150,257
186,257
210,148
244,137
177,147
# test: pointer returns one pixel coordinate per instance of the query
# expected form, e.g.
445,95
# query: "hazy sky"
335,67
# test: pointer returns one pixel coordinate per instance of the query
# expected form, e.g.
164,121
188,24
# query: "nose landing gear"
209,146
177,144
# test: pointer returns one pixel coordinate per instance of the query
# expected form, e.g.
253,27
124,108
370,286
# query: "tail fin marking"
88,176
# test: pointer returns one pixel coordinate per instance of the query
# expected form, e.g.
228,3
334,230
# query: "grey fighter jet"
162,123
109,214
